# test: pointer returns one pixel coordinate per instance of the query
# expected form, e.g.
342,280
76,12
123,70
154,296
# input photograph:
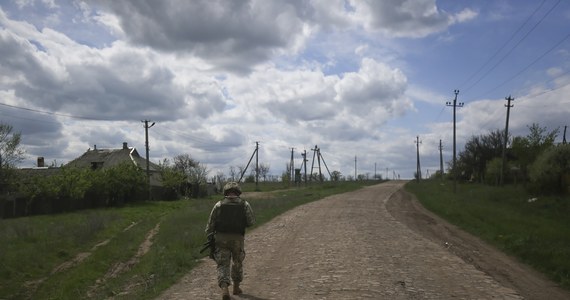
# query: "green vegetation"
534,230
32,248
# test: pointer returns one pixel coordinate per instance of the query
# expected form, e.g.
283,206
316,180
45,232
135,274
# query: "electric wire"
513,48
528,66
504,44
54,113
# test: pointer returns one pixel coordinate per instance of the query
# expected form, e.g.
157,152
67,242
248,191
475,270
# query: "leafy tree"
526,149
493,171
125,183
38,191
336,175
72,185
195,173
173,180
550,173
479,150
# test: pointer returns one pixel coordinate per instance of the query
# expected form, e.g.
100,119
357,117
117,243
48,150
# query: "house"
107,158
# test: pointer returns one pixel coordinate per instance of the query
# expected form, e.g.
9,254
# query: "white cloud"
415,19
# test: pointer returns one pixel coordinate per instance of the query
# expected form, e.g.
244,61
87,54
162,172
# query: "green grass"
31,247
535,232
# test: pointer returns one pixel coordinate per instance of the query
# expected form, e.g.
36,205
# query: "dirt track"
374,243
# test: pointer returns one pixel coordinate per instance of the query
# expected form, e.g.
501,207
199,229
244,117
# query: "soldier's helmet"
232,187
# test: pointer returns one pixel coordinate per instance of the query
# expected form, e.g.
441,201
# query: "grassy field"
96,254
536,230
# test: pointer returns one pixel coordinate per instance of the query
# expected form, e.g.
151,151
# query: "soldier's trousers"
229,257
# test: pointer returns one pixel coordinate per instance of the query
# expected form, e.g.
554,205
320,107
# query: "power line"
54,113
504,45
529,65
514,47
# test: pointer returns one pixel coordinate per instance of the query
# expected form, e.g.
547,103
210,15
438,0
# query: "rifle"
210,244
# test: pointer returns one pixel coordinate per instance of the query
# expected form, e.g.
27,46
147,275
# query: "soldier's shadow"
246,296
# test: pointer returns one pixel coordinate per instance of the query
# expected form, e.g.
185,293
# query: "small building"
107,158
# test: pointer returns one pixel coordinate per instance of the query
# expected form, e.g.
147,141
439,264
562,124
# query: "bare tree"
264,171
10,151
184,162
10,155
241,169
233,174
198,174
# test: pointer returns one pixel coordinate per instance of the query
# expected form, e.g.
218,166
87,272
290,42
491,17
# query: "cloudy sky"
361,79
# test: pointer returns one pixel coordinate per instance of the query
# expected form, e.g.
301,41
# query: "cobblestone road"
345,247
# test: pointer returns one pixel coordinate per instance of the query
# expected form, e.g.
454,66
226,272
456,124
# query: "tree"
263,171
479,150
233,173
525,150
11,153
493,171
198,174
550,173
184,163
336,175
173,180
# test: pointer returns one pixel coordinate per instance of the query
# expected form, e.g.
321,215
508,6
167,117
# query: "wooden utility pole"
564,136
315,153
440,160
304,154
505,140
146,127
256,166
418,168
292,166
454,170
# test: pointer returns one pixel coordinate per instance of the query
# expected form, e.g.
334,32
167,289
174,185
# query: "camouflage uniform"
228,220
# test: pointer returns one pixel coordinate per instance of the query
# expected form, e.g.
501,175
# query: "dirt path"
369,244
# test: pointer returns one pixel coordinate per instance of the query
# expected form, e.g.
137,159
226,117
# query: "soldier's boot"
237,290
225,292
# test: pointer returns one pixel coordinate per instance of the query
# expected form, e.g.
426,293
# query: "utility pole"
304,154
454,170
255,153
256,166
146,127
316,152
440,160
564,136
506,138
292,166
418,168
375,171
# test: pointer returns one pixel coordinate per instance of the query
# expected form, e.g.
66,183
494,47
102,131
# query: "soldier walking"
228,220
